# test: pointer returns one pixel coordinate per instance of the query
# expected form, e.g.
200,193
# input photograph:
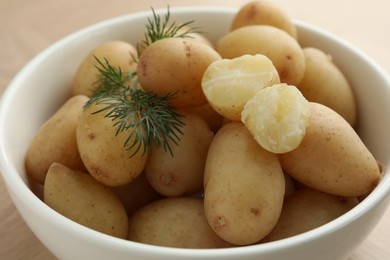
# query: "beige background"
29,26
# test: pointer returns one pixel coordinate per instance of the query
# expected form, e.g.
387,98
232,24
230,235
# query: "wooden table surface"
29,26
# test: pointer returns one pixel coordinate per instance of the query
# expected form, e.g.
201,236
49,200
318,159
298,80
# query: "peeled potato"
229,83
323,82
244,186
331,157
264,12
79,197
307,209
55,141
277,117
281,48
174,222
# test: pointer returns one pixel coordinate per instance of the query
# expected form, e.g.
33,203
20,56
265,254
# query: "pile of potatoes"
268,149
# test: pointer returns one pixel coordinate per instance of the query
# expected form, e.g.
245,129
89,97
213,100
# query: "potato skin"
79,197
55,141
103,152
174,222
307,209
181,174
194,36
264,12
211,117
136,194
331,157
118,54
282,49
244,186
176,65
324,83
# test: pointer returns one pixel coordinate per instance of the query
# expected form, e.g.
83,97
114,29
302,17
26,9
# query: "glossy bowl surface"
44,84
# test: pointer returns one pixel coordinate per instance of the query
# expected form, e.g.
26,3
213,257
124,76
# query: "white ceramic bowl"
43,85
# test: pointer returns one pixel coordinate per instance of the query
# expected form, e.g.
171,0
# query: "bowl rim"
15,181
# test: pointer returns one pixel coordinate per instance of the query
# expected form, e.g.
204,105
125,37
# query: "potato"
307,209
277,117
281,48
264,12
209,115
136,194
176,65
244,186
192,36
79,197
35,187
331,157
55,141
196,36
174,222
229,83
118,54
290,186
324,83
103,151
181,173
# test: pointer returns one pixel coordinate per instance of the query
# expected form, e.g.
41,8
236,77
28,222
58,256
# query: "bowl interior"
44,84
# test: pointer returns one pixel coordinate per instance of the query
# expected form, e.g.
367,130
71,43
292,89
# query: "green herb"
111,79
157,29
149,118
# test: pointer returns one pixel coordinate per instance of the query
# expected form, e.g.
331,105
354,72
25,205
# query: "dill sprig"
157,29
148,118
111,79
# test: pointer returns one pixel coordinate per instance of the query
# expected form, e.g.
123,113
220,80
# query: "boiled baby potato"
324,83
176,65
187,32
243,186
182,172
229,83
136,194
307,209
281,48
118,53
174,222
290,186
79,197
194,35
55,141
264,12
331,157
209,115
102,149
277,117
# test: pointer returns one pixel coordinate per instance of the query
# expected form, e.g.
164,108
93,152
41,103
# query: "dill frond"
148,119
110,78
157,29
